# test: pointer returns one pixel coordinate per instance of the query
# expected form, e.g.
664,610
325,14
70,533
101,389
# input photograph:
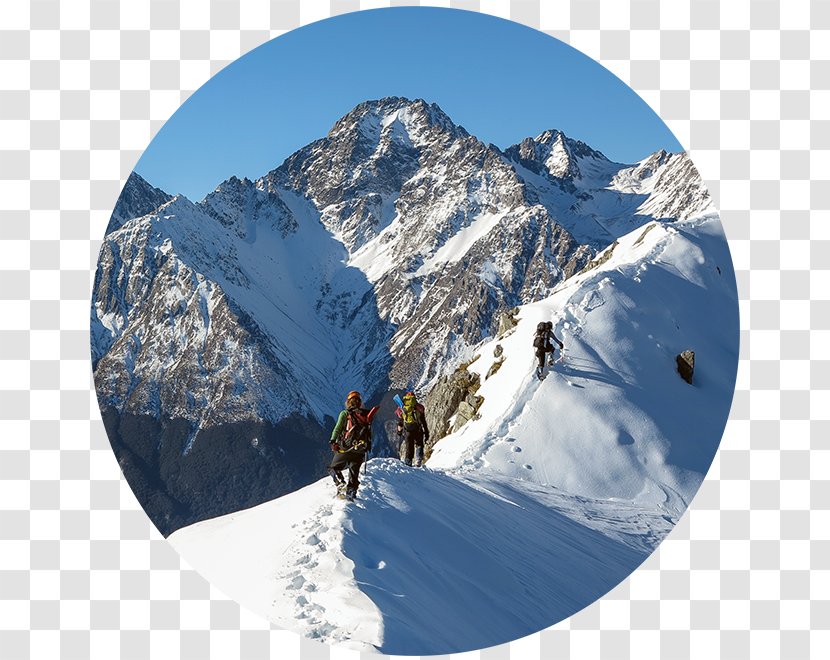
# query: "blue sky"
500,80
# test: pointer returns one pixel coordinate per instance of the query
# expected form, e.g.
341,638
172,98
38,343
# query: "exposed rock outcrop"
507,321
602,257
453,398
686,365
498,353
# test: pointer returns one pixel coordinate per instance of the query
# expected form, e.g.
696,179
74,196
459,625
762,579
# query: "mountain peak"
138,198
556,153
550,136
374,117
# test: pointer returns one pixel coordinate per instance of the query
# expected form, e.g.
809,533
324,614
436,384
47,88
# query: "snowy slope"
614,419
398,573
545,502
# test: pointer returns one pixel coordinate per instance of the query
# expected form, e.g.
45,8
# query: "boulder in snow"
467,410
686,365
495,366
507,321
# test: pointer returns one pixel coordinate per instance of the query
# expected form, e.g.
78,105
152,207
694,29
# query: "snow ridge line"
328,613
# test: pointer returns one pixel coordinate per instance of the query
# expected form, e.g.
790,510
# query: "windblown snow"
548,499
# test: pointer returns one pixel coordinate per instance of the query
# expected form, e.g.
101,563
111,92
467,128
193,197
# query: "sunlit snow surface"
554,495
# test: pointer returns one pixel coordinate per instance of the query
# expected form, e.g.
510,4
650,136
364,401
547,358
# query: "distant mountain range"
226,332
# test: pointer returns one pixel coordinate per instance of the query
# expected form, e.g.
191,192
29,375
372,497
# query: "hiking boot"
419,457
407,461
351,494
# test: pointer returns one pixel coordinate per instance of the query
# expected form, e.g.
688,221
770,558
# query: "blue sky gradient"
500,80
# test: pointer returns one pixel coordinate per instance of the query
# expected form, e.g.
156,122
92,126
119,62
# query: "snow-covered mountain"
546,500
373,258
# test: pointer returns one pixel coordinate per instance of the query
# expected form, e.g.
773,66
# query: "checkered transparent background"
83,88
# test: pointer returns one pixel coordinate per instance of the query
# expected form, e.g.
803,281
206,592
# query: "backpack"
540,340
358,434
410,415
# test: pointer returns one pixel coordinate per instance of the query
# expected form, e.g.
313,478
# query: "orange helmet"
354,394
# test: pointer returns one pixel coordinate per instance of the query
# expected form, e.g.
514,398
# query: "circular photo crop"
415,331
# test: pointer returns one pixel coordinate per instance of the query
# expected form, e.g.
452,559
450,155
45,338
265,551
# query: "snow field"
613,419
424,561
525,515
284,560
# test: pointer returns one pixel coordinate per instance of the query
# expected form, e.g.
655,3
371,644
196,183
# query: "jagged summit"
418,115
246,207
576,148
554,153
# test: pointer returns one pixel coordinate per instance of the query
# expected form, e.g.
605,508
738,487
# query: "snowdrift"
425,562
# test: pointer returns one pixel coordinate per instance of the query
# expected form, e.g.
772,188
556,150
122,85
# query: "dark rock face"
171,357
452,395
686,365
467,410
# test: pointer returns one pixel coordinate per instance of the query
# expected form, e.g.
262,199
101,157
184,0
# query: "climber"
412,422
543,345
350,441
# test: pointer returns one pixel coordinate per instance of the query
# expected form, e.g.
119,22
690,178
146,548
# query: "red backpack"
358,433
